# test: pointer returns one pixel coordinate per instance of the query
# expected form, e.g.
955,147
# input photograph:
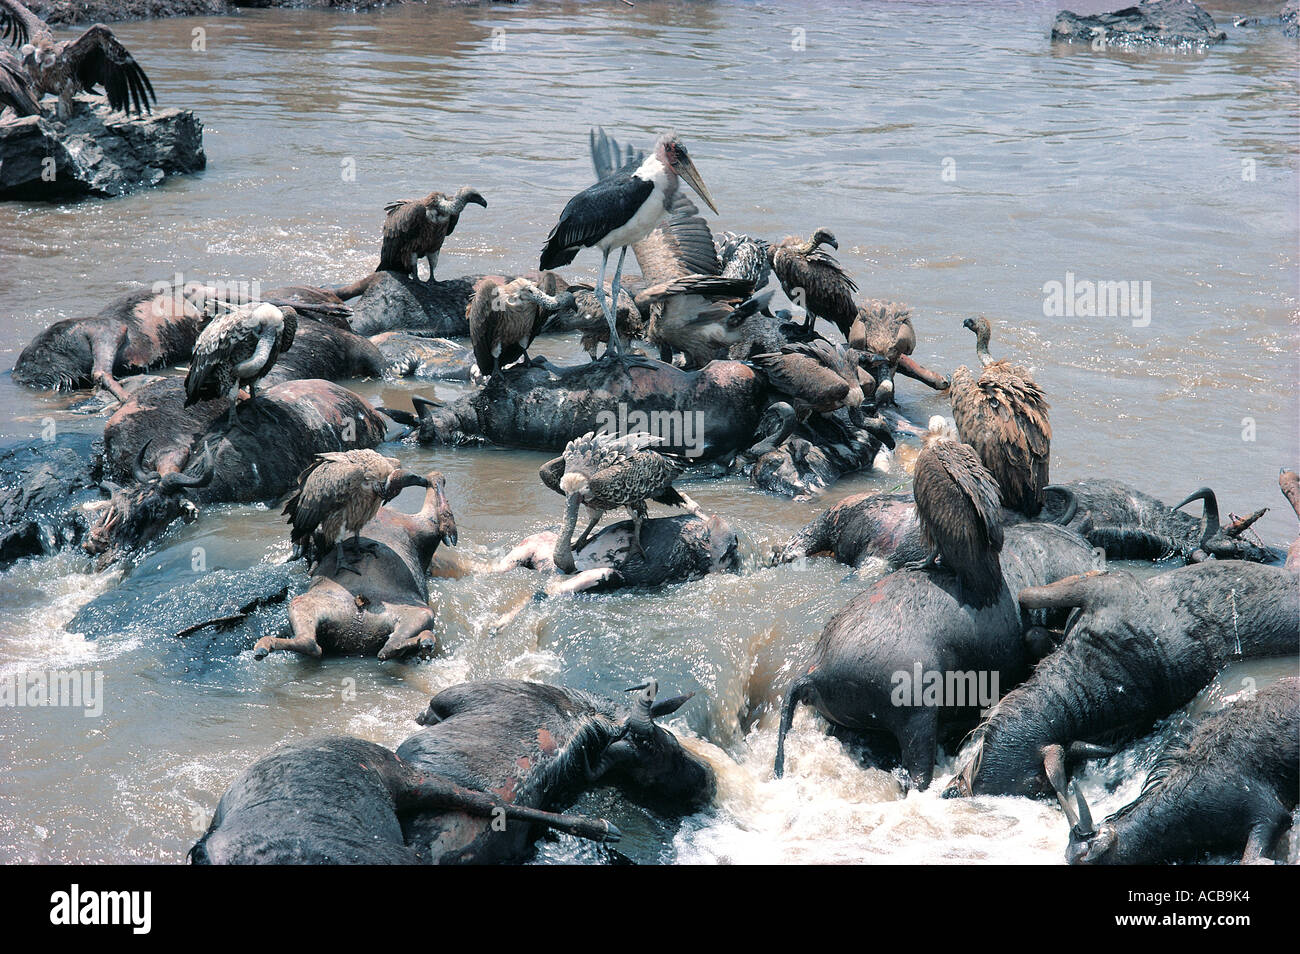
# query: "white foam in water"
35,637
828,809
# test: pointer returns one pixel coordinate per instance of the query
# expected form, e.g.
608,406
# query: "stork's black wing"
98,58
15,87
17,23
592,214
682,242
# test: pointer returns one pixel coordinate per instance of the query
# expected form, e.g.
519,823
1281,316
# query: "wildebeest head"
134,515
1220,541
57,359
648,762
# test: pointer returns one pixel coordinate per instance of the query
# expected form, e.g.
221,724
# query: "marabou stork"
416,228
238,348
65,68
620,210
1002,414
960,513
693,308
341,491
602,473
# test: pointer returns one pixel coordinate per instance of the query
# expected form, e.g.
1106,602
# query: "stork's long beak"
688,172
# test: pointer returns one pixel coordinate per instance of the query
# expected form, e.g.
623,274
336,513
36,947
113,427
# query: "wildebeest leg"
411,632
927,377
429,793
306,614
919,744
582,580
104,351
1262,835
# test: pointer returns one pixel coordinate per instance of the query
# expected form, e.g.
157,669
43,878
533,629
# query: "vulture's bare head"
399,480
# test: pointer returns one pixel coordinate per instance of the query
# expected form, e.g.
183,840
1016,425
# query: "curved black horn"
174,483
1071,503
138,470
1084,827
784,428
1209,517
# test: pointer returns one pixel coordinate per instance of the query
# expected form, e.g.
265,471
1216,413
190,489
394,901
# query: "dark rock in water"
42,487
1152,22
57,12
394,303
194,615
1288,19
97,152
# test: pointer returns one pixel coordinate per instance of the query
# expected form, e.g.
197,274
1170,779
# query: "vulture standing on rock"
813,279
238,348
416,229
343,490
68,67
602,473
960,514
1002,414
504,318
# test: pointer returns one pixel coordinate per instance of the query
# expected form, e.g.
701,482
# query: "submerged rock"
97,151
1152,22
42,487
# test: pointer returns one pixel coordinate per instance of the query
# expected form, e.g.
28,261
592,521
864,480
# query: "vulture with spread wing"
68,67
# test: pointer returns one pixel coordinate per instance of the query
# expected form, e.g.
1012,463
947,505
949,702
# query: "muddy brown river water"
963,162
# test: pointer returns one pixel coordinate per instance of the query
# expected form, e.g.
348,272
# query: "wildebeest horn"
668,706
1083,826
1071,503
641,719
138,470
174,483
424,406
1210,515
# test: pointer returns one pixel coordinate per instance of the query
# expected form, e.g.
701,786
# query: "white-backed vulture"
341,491
415,229
68,67
236,349
960,514
1002,414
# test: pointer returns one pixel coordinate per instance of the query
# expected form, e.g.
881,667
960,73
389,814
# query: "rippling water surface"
1113,167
